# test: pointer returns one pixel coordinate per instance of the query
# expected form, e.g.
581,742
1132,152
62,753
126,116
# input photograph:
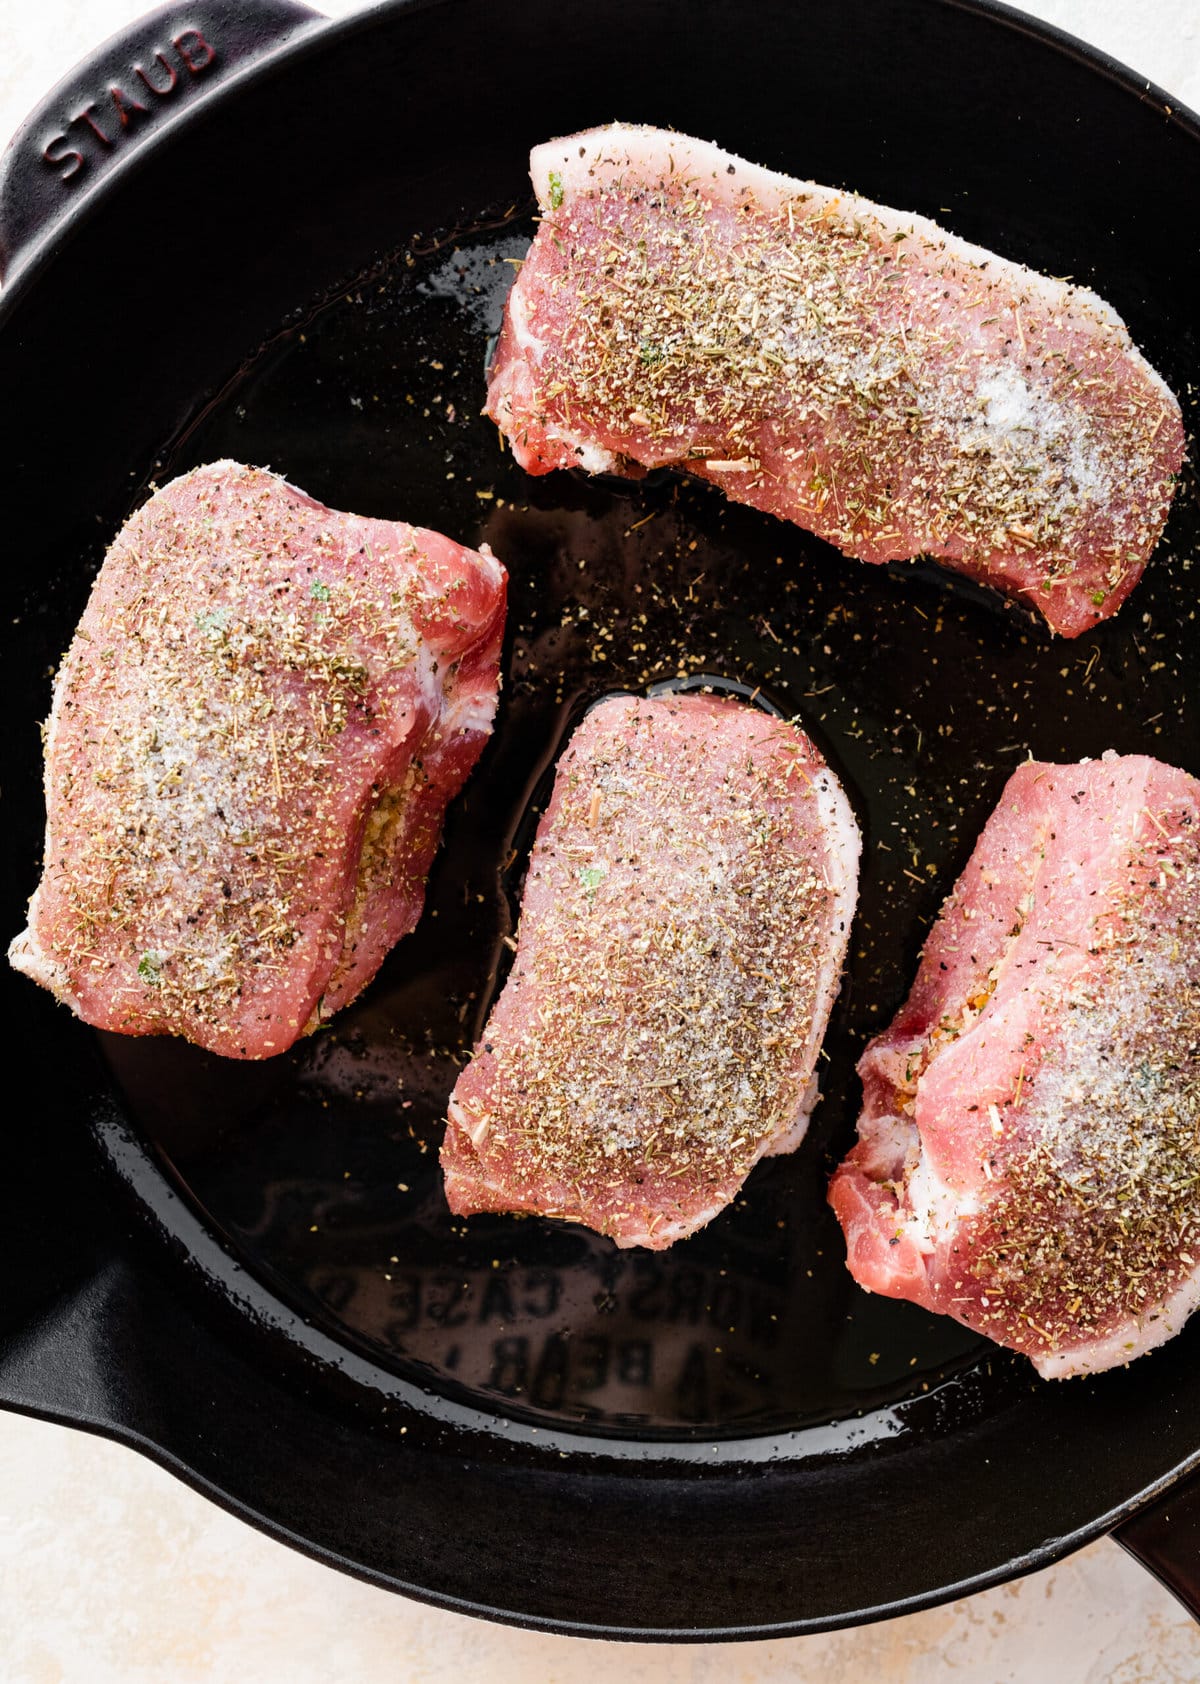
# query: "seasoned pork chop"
686,914
1029,1147
848,367
253,739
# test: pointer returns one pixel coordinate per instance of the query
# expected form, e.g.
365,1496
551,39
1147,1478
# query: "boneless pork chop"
1029,1147
253,739
848,367
685,917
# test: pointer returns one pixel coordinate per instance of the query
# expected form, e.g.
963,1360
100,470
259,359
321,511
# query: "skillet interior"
310,1171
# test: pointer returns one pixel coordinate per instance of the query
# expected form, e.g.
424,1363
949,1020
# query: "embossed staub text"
101,124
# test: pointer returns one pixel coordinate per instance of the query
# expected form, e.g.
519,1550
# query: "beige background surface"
111,1572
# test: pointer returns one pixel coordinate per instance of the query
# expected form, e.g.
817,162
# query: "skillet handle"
119,100
1165,1538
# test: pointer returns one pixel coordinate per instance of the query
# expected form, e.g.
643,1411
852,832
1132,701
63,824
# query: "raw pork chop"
855,370
254,735
1029,1148
686,914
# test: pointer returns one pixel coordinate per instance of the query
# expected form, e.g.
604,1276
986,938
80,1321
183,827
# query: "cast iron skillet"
285,242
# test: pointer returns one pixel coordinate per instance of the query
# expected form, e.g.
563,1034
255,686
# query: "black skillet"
284,241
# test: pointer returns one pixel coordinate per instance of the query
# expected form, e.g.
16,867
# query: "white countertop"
112,1572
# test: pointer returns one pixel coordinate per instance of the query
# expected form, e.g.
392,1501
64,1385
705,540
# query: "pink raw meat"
686,914
848,367
254,736
1029,1147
